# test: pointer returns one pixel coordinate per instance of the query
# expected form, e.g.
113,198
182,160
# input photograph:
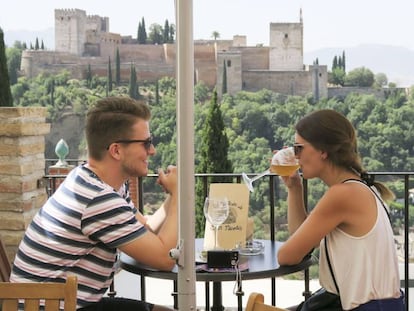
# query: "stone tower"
286,46
70,31
74,30
232,60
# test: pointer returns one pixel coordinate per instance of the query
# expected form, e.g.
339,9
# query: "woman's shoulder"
348,194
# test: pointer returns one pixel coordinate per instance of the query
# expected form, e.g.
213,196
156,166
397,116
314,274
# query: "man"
90,217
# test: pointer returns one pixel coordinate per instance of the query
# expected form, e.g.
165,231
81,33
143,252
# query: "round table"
264,265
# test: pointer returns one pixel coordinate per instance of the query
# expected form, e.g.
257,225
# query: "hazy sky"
327,23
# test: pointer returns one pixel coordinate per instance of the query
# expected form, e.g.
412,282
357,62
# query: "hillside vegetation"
255,124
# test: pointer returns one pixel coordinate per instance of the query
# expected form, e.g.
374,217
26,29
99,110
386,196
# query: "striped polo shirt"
77,232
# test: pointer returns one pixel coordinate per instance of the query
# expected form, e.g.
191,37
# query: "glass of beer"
284,162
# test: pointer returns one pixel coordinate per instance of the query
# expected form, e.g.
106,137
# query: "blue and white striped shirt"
77,232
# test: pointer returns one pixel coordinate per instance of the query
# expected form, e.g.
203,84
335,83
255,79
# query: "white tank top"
365,267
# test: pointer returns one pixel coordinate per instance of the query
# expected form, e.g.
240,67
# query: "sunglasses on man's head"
297,148
147,143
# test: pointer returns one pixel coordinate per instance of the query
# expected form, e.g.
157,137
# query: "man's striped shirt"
77,232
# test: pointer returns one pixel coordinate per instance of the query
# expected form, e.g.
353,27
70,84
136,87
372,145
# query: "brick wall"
22,164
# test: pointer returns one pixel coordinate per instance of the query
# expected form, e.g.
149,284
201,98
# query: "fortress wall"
205,53
255,58
288,82
141,53
35,62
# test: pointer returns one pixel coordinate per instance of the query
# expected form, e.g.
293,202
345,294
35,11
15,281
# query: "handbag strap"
329,264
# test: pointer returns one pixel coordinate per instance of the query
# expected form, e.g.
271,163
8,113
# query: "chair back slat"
50,294
256,303
5,266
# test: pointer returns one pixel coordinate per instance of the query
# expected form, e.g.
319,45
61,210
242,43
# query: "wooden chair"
5,266
34,293
256,303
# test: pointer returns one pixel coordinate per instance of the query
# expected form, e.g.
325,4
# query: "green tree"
360,77
172,33
166,32
89,76
381,79
109,77
215,35
156,34
213,155
142,32
14,56
37,44
224,82
6,99
337,76
133,86
117,68
335,63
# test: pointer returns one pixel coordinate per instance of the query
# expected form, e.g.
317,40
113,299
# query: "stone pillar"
22,167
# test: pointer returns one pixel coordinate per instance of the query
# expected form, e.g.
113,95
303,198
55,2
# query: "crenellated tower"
74,29
70,31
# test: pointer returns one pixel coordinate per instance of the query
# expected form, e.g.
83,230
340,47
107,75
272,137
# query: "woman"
353,219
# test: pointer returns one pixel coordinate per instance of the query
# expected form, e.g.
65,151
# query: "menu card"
233,231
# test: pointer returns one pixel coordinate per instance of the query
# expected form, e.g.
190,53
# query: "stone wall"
22,167
288,83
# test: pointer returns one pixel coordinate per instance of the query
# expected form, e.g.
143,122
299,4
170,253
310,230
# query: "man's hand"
168,179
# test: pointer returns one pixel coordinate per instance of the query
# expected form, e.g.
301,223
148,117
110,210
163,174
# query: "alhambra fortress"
82,40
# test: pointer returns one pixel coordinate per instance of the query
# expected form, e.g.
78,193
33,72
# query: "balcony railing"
405,178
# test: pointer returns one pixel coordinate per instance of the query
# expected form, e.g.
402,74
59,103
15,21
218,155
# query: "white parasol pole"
185,154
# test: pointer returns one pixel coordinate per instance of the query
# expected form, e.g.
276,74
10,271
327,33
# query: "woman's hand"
292,181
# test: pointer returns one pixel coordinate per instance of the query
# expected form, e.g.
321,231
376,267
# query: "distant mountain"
396,62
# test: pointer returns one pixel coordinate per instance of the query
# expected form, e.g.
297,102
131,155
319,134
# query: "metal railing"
407,179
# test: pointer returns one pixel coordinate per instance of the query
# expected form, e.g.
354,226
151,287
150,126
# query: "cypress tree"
6,99
109,85
157,93
343,61
172,33
117,68
133,86
37,44
144,32
214,156
166,32
335,63
89,76
140,34
224,83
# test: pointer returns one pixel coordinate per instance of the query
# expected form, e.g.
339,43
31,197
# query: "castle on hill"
83,40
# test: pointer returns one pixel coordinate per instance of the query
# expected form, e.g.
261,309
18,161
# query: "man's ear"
114,151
